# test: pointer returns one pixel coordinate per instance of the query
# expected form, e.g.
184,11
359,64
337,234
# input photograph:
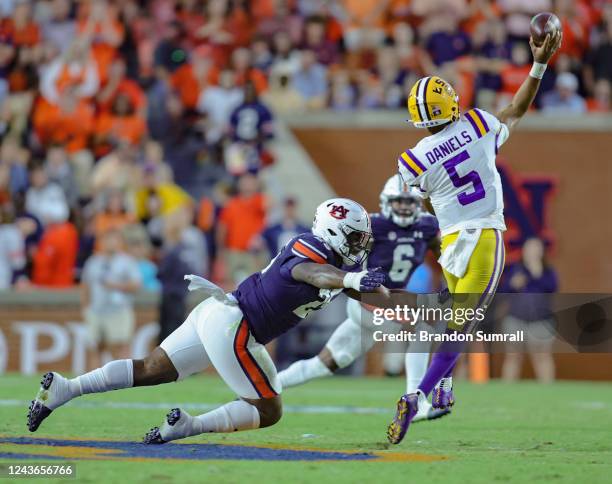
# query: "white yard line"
306,409
311,409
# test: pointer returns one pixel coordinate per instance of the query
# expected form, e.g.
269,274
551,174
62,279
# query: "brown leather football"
543,24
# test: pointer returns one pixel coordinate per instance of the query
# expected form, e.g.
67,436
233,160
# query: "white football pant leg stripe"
247,369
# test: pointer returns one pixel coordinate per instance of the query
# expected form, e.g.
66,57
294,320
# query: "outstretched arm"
323,276
326,276
511,114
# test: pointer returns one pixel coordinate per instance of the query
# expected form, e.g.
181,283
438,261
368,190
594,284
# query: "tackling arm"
511,114
323,276
326,276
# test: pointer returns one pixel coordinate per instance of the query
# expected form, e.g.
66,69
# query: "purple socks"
442,365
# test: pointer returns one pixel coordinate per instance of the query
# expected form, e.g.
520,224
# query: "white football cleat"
54,392
178,425
427,412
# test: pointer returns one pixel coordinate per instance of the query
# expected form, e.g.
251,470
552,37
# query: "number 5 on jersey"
472,177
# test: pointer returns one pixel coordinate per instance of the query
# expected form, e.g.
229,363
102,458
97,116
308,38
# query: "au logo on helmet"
338,212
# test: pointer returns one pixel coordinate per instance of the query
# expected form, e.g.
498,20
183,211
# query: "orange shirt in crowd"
240,26
184,81
206,214
361,10
595,106
55,123
132,90
333,29
575,38
26,36
55,258
267,8
244,218
512,77
126,128
103,222
55,126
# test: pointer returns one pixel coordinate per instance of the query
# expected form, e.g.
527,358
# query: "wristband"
538,70
352,280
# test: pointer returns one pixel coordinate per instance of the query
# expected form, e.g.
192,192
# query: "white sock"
416,367
231,417
112,376
423,402
303,371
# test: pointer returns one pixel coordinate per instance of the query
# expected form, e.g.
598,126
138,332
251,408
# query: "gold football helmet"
432,102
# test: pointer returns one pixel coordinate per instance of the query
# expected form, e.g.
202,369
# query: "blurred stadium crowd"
155,118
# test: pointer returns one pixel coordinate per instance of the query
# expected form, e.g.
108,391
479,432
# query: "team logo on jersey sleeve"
338,212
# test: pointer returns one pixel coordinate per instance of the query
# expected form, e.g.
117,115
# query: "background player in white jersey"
403,233
455,168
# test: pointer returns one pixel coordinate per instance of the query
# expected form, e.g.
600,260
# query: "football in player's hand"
543,24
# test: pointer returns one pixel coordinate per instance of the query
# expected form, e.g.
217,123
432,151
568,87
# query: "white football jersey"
455,168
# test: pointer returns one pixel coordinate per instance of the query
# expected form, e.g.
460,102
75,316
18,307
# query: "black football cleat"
154,436
38,411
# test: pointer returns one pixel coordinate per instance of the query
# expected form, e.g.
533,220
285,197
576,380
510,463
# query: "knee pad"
348,342
118,374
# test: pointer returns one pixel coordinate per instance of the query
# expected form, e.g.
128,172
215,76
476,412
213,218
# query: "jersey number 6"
402,263
459,181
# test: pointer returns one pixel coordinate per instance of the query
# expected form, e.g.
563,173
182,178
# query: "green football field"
333,430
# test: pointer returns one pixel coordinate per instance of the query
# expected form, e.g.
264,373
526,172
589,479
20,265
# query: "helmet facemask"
404,210
357,245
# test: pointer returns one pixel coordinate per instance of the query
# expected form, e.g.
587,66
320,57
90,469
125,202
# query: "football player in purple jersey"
229,331
403,233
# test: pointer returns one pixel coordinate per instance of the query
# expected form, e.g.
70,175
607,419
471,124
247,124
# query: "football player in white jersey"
454,167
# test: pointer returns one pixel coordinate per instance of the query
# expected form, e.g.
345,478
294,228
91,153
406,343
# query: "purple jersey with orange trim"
398,251
272,301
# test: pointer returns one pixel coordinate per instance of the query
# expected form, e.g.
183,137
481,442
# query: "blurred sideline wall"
44,331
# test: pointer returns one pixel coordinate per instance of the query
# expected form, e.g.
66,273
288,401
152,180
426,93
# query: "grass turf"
522,432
